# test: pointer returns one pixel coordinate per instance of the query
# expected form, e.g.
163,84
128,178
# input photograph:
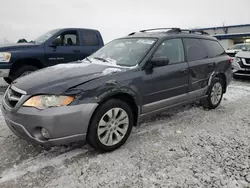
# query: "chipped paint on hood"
111,70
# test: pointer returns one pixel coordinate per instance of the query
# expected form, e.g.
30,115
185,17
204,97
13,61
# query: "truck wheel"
7,80
22,71
110,126
215,93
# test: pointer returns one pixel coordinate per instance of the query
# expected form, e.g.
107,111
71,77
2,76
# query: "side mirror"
159,61
56,42
244,48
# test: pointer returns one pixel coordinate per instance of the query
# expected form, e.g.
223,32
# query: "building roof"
232,35
221,27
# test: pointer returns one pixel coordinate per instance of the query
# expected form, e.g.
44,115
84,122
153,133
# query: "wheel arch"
126,97
26,61
220,75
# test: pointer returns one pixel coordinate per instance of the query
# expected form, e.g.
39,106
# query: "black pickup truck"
54,47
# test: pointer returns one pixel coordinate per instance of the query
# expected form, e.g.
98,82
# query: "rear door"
90,42
201,66
167,85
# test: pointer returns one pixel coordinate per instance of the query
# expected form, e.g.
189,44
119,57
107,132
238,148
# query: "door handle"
183,71
76,50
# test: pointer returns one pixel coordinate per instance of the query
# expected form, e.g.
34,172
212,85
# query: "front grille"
243,72
244,63
247,61
12,96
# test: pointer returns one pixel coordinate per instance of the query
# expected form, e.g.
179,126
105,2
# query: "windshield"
240,46
124,52
45,36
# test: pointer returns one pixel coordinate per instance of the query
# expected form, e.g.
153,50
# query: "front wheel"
110,126
215,93
7,80
22,71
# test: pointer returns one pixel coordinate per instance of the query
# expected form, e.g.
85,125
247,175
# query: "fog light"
45,133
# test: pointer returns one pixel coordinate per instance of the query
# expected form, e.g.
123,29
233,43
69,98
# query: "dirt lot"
189,147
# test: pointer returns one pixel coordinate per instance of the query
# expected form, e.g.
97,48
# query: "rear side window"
213,48
90,38
194,49
171,49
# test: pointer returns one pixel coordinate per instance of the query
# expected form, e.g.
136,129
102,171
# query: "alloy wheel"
216,93
113,126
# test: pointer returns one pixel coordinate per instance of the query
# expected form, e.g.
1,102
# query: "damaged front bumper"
65,124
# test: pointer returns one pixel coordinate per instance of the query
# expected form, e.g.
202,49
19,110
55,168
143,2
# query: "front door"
68,51
167,85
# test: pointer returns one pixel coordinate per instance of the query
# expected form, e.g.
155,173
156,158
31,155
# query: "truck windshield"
240,46
124,52
45,36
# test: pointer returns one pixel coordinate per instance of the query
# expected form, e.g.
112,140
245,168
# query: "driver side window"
171,49
68,38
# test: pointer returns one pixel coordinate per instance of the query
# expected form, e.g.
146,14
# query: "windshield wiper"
101,59
88,59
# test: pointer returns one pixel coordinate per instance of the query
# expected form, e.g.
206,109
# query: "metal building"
230,35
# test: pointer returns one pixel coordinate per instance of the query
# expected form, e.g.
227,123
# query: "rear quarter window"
213,48
90,38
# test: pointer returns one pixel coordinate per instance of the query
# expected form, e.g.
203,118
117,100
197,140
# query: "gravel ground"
188,147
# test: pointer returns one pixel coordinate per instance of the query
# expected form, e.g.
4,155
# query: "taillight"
230,60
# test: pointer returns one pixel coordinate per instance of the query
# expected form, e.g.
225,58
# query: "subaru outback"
100,98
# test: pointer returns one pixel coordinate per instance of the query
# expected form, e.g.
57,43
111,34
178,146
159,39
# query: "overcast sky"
115,18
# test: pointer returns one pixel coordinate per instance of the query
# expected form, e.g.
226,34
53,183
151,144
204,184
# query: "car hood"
232,51
17,46
57,79
243,54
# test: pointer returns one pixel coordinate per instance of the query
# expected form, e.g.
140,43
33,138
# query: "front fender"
111,92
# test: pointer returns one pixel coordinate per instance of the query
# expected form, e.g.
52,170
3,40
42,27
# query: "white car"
237,48
241,64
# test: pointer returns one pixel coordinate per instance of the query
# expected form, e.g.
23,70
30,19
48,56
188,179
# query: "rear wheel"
110,126
215,93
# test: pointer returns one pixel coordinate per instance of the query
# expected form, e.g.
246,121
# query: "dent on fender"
210,78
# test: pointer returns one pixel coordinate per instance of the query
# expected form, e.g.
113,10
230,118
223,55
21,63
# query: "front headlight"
47,101
5,57
237,59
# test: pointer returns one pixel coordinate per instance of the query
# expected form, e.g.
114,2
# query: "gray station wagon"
100,98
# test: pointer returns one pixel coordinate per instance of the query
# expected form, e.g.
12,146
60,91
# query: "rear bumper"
229,75
65,124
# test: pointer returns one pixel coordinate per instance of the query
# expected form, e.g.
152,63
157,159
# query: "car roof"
173,32
69,28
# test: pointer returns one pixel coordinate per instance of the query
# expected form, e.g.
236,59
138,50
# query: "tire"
208,102
7,80
22,71
102,125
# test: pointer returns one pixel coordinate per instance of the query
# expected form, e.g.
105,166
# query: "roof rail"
200,31
159,29
155,29
194,31
174,30
131,33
